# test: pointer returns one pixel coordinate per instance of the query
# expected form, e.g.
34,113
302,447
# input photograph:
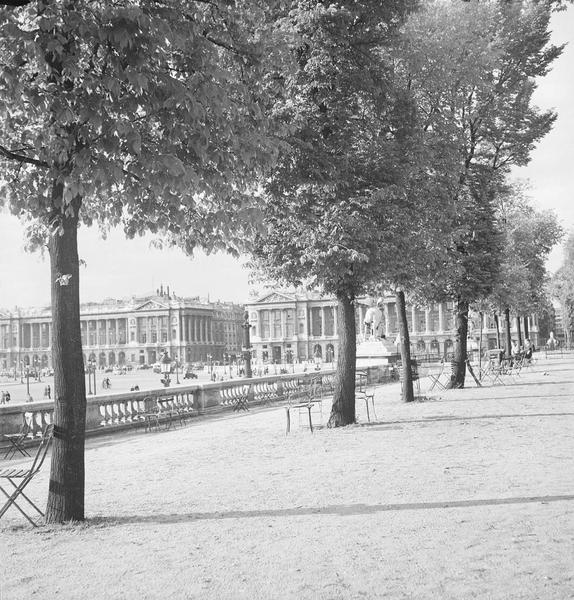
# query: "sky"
120,268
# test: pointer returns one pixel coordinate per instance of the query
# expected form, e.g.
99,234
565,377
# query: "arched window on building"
330,353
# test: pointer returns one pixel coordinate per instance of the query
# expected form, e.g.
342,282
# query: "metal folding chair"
16,440
435,379
20,477
366,396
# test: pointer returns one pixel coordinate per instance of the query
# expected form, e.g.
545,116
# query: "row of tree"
349,146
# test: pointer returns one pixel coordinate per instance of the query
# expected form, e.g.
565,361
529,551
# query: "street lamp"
210,362
177,370
246,345
37,368
165,369
89,369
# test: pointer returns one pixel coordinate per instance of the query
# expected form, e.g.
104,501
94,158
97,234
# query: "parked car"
190,375
143,366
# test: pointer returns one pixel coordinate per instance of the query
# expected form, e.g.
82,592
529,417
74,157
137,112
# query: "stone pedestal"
376,352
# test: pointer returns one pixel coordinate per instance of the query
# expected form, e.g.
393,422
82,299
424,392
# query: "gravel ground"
467,494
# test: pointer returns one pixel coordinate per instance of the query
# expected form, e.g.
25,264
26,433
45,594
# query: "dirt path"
467,495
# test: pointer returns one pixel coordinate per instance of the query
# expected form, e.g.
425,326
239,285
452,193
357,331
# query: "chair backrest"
150,404
26,426
42,450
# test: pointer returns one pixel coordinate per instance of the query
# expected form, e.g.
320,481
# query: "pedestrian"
48,392
3,399
6,397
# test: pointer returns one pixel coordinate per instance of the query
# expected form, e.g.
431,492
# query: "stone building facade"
134,331
299,326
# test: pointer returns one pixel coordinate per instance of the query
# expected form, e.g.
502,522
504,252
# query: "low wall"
115,412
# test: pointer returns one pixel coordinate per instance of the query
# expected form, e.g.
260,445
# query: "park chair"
367,395
307,403
17,440
435,378
20,477
241,401
150,413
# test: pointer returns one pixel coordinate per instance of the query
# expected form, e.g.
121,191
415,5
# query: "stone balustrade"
117,411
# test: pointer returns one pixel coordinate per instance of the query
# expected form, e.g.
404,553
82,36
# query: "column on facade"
414,319
335,321
284,323
440,318
323,321
427,320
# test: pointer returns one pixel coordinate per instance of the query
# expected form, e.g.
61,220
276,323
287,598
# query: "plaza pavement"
467,494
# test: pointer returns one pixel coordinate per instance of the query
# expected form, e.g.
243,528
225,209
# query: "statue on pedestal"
374,324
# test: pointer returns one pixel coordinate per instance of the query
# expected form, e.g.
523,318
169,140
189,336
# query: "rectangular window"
265,325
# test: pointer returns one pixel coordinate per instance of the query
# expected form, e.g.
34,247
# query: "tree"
529,236
142,115
330,199
562,289
474,64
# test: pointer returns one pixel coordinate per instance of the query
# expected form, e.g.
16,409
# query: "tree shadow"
343,510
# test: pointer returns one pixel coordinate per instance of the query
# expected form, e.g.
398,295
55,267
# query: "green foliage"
471,67
530,236
331,199
562,286
149,111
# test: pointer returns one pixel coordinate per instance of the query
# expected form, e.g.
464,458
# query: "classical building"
296,325
134,331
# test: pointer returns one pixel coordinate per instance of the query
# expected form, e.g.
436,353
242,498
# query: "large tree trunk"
497,323
519,332
67,478
407,378
508,341
526,332
343,409
481,317
459,363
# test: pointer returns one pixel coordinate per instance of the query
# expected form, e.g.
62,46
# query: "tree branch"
15,2
21,158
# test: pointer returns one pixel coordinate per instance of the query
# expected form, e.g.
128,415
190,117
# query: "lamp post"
246,345
165,369
210,367
89,369
37,368
27,381
177,370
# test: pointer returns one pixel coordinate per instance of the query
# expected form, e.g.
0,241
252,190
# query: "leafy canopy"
149,112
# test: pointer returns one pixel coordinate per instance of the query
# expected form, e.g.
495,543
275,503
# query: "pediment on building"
275,297
151,305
